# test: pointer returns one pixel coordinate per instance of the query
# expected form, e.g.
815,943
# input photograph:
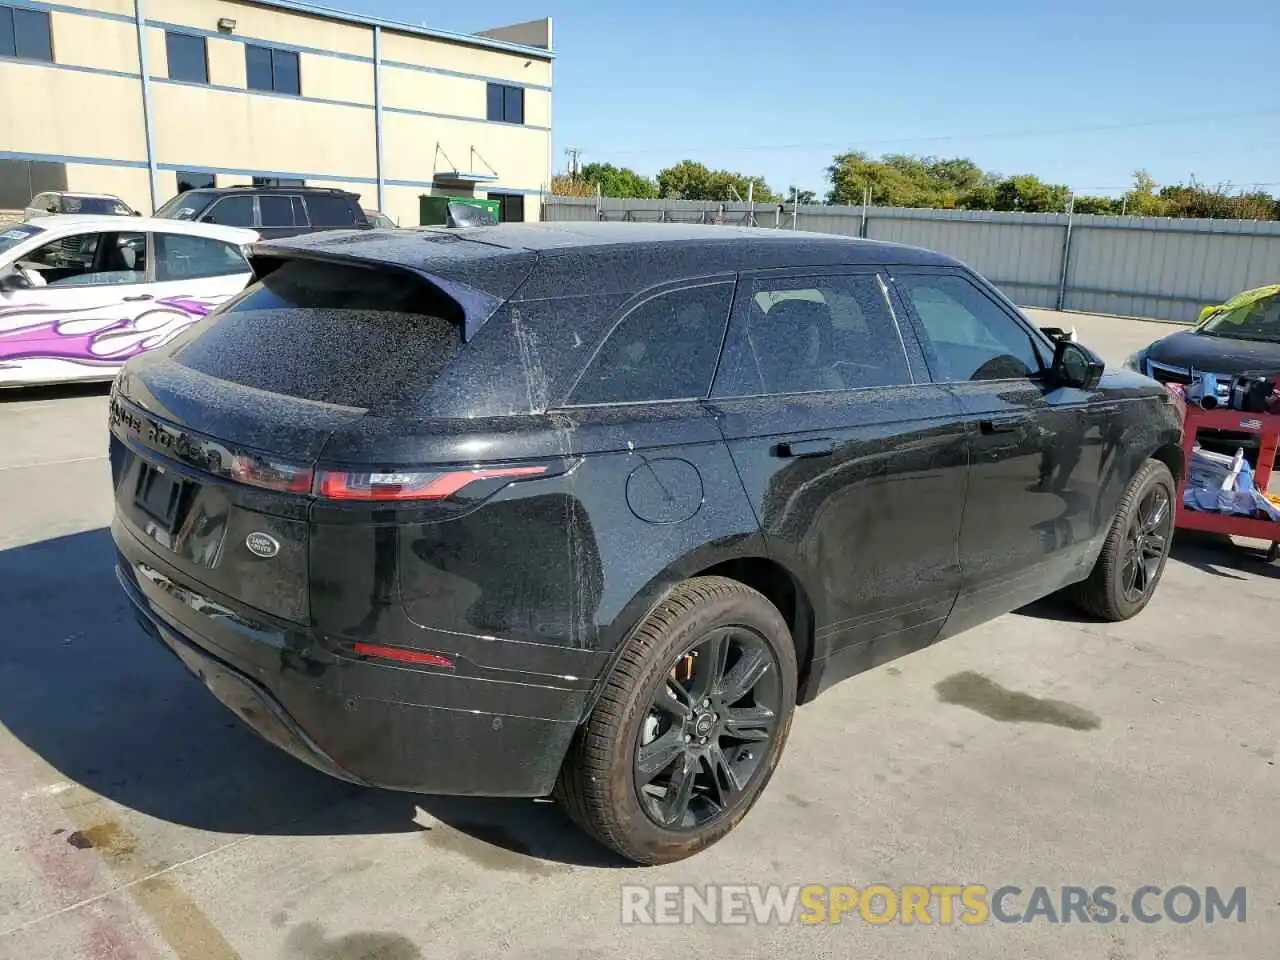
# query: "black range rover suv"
587,510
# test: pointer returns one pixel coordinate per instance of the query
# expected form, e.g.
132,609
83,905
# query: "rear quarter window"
665,348
345,335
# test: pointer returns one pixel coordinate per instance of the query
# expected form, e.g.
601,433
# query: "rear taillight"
270,474
402,485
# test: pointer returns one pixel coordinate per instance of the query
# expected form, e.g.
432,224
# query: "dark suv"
274,212
588,509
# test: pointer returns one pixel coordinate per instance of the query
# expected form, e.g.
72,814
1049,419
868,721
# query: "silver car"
60,201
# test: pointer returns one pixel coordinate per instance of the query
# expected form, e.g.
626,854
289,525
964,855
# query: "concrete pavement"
139,820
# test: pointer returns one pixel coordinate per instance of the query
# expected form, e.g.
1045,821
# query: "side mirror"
1075,365
14,280
52,208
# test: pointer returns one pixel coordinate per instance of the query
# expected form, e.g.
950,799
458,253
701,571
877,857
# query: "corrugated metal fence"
1130,266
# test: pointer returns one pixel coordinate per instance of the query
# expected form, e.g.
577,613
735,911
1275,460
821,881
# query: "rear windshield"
345,335
103,205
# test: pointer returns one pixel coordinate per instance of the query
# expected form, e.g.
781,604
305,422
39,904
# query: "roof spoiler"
475,306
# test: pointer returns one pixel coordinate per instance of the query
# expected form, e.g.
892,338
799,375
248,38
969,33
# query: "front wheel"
1136,549
689,727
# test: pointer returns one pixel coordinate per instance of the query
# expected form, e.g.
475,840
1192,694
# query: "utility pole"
573,153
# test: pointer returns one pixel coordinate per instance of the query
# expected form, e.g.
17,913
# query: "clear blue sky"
776,88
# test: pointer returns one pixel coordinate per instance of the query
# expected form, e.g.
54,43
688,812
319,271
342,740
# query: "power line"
1009,134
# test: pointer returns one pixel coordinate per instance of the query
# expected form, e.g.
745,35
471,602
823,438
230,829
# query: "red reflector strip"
411,486
421,657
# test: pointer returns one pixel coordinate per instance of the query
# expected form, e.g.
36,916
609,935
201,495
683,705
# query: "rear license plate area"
159,495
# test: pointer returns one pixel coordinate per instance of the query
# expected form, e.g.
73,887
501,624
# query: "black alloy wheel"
1146,543
708,728
1136,549
689,725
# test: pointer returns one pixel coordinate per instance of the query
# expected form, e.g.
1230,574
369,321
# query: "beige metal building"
138,97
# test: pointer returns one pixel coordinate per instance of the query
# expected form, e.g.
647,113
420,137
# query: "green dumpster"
434,211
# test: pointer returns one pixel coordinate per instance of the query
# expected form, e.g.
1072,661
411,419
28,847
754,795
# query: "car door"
193,274
1030,518
80,320
854,462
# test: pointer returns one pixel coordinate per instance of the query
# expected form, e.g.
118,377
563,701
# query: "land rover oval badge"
262,544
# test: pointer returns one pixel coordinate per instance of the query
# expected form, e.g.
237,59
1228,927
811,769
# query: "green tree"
1027,193
1141,201
796,195
617,181
563,185
903,180
690,180
958,173
982,197
894,181
1097,205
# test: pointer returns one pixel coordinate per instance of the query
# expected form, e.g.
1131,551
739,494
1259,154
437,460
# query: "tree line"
904,180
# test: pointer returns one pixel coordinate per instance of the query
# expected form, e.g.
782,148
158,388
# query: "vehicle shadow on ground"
55,391
85,689
1219,556
1215,555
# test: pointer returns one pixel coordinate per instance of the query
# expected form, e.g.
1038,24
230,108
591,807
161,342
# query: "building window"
25,34
188,58
270,69
278,182
194,180
510,206
506,103
20,180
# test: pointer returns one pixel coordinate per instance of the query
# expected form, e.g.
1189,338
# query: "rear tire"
1133,557
689,727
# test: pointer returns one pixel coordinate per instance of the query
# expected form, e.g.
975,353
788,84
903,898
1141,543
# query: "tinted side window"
181,257
972,338
280,211
331,211
231,212
804,334
664,349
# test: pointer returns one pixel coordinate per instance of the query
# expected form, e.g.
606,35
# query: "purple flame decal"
91,335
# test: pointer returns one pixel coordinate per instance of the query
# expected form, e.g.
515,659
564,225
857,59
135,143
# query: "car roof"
79,222
250,188
82,196
417,247
654,252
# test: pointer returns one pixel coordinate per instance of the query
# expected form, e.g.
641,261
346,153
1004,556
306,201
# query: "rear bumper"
363,722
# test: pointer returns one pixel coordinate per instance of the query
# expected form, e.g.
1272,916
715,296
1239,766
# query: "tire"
639,719
1106,594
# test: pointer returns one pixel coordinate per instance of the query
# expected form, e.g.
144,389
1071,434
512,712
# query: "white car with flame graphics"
80,295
